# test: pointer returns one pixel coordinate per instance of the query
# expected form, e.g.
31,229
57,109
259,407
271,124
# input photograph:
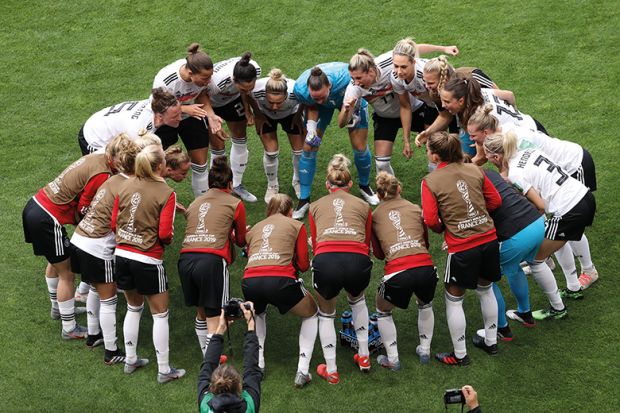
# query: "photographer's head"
226,379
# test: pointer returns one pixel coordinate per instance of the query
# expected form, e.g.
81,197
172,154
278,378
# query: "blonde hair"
148,160
279,203
225,379
122,152
147,138
338,173
387,185
276,83
446,145
443,69
406,47
502,144
175,157
363,61
483,119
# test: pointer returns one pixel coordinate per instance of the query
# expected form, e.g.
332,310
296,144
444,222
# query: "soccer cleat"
587,278
302,379
332,378
223,359
240,192
526,268
81,298
78,333
550,263
54,313
130,368
173,374
425,357
452,360
524,318
504,333
270,192
369,195
550,314
113,357
94,340
479,342
363,362
296,187
385,362
575,295
302,209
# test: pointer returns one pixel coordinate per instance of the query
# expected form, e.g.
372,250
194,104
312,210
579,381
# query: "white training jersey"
133,118
532,168
169,78
289,106
567,155
505,113
417,87
222,89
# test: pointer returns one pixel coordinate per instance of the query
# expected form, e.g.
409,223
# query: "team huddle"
494,223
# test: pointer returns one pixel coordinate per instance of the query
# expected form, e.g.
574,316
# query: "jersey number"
504,107
117,108
550,167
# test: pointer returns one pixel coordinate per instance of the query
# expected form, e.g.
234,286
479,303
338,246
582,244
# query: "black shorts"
333,271
464,268
193,132
386,129
586,174
85,148
232,112
147,279
47,236
94,270
281,292
287,125
205,281
399,288
570,226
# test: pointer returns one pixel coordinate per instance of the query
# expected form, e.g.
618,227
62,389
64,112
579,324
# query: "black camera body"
453,396
232,309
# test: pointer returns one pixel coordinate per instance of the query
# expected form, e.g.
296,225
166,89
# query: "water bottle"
373,330
347,319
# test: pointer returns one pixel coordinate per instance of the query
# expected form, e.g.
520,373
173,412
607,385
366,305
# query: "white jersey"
505,113
380,94
133,118
417,87
567,155
169,78
532,168
289,106
222,89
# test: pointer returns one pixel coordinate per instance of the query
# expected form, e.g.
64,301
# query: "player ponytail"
482,119
406,47
444,70
176,157
387,185
147,138
279,203
446,145
148,160
276,84
363,61
225,379
161,100
197,60
121,151
469,90
338,174
220,174
317,79
244,71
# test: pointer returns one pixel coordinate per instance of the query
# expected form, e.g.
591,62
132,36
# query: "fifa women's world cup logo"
395,218
464,190
136,198
202,213
338,204
267,230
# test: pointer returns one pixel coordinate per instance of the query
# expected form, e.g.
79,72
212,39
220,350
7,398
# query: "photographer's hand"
223,325
471,397
248,313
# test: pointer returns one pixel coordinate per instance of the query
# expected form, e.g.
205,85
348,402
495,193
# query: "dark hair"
220,173
162,100
446,145
244,71
317,79
197,60
469,89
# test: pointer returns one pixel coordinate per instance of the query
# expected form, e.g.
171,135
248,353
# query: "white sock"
426,325
360,323
83,288
52,288
161,336
296,156
567,261
131,327
270,163
261,333
488,305
387,329
92,312
456,323
107,319
203,334
327,336
546,281
200,179
581,249
216,153
67,314
307,336
383,163
238,159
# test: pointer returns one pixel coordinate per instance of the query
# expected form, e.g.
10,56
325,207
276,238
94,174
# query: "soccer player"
340,228
143,220
274,102
215,222
277,253
456,200
400,237
132,118
551,190
321,89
